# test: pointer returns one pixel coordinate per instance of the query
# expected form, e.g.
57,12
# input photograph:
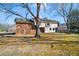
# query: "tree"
63,10
3,27
73,21
6,9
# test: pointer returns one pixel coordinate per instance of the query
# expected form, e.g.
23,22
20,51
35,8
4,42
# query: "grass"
58,36
23,46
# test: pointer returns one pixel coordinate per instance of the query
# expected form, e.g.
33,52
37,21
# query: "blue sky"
43,14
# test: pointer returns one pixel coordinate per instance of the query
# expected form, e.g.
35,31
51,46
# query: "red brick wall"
24,29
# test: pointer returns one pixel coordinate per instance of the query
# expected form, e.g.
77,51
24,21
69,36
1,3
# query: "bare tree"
27,7
63,10
37,19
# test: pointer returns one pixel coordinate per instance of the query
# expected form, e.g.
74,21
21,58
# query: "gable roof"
44,20
22,20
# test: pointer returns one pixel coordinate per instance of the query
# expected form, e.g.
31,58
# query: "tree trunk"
68,27
38,21
67,24
37,34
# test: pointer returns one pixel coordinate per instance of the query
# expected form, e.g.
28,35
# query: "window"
50,28
54,28
48,24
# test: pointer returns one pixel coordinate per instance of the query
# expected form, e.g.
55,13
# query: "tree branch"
11,11
26,5
38,9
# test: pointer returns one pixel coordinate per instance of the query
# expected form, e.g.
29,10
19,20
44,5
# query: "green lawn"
64,45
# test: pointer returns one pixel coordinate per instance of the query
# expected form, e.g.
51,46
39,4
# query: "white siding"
42,25
52,26
47,27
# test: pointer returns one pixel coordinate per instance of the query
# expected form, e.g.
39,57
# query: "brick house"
24,27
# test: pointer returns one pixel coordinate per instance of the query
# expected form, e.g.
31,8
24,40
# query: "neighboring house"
24,27
62,28
12,28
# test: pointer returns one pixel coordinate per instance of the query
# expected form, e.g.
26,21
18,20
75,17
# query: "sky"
44,13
